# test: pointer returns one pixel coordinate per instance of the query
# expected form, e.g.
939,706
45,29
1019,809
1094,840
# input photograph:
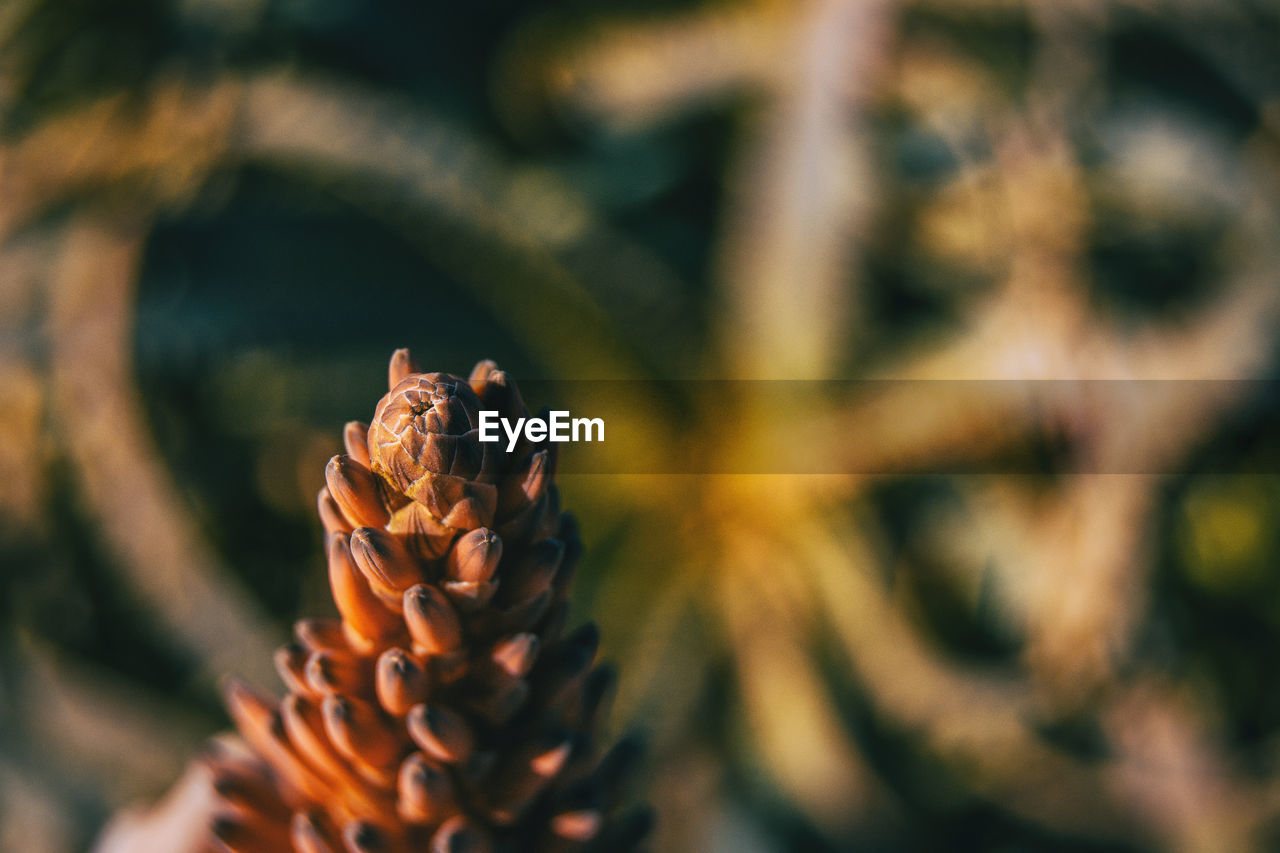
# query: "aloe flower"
446,709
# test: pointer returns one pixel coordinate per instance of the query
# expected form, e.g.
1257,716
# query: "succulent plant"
446,709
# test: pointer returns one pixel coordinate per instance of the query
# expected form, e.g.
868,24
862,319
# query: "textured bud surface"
425,441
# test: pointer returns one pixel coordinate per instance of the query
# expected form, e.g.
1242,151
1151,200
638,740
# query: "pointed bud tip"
582,825
363,837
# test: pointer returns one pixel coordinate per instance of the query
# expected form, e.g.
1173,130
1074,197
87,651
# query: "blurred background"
1040,625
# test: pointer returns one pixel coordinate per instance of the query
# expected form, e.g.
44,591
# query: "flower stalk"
446,708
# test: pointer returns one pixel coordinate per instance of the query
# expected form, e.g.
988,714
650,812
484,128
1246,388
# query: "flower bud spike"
469,597
536,572
361,609
501,702
522,491
400,682
446,709
479,376
363,837
551,761
441,733
256,718
251,709
580,826
424,441
358,732
401,366
308,835
246,788
474,557
385,562
334,672
432,620
448,668
316,634
423,534
521,617
567,670
356,492
499,393
355,440
245,833
537,477
290,661
305,729
240,798
515,655
425,790
304,725
331,518
459,835
524,776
